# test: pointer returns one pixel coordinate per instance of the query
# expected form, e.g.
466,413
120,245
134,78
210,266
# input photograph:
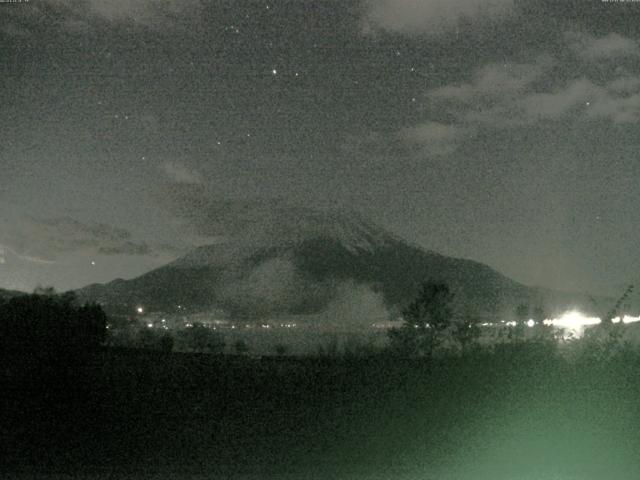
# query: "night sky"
502,131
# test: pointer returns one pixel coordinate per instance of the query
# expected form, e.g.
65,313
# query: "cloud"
551,105
43,240
275,287
496,80
503,95
272,287
80,16
430,16
204,213
509,95
179,173
148,12
354,306
6,251
610,47
435,138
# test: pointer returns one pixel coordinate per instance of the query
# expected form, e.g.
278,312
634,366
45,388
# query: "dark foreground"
521,413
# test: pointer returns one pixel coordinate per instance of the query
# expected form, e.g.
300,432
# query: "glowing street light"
575,322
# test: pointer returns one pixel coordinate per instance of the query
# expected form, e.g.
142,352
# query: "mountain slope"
302,262
8,294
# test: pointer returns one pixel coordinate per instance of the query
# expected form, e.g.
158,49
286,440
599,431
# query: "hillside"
6,294
300,262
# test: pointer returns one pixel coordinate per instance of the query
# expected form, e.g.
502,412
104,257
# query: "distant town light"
575,321
531,323
140,310
630,319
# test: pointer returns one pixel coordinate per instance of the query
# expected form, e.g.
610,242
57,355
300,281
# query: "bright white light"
530,323
140,310
511,324
630,319
615,320
150,325
575,321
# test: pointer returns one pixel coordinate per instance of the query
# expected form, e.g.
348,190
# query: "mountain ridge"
300,263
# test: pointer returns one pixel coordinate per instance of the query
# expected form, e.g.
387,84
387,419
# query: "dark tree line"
50,325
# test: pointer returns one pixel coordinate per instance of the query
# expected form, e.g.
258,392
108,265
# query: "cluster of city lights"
575,322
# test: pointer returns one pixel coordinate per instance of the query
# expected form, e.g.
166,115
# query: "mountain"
301,262
8,294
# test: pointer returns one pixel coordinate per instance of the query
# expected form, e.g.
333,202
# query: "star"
274,71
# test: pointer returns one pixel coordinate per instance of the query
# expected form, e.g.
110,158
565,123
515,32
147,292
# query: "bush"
199,338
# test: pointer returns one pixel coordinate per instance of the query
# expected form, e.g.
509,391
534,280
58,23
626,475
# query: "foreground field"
519,413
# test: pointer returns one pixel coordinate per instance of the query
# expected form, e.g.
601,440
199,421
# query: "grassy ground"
520,413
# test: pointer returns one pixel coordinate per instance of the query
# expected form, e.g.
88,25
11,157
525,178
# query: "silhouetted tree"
44,291
539,314
522,312
468,331
425,320
146,338
517,333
